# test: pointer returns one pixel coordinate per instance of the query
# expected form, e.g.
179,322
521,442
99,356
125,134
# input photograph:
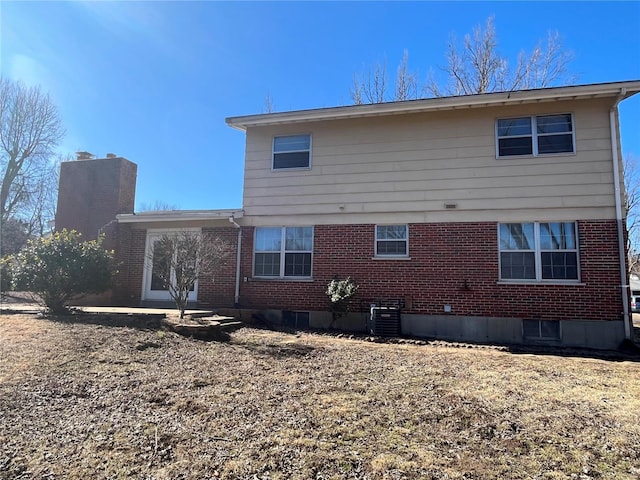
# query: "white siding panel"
540,204
496,194
430,180
413,163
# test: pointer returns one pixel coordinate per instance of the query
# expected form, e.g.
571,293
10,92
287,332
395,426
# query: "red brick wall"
213,291
454,264
129,255
218,290
92,192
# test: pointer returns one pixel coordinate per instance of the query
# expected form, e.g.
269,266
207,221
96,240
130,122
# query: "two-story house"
495,218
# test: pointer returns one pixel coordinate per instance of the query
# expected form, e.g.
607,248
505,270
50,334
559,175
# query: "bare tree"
474,67
269,107
157,206
30,130
406,87
373,86
632,212
478,67
181,259
357,95
41,205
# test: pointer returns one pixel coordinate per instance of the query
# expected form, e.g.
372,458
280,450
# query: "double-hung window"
293,151
392,240
283,252
535,135
538,251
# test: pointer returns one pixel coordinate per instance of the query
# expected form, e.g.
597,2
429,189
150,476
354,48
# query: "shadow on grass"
143,321
277,350
627,352
280,351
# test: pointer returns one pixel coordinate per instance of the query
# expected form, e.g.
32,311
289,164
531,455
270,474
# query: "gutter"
236,299
517,97
177,216
622,253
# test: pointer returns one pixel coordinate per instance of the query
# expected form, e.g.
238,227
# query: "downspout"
237,292
619,218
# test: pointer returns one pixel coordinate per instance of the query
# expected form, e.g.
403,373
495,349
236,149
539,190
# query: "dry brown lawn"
82,400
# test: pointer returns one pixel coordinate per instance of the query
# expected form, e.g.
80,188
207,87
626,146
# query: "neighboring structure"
492,218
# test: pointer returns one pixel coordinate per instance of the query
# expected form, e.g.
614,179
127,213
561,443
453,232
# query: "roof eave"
435,104
179,216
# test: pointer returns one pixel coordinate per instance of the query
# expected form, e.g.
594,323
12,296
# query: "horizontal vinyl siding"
415,163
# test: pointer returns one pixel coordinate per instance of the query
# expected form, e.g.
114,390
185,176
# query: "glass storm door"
160,269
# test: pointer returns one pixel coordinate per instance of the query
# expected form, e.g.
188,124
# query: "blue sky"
154,81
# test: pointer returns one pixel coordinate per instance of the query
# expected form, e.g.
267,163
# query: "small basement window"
295,319
541,329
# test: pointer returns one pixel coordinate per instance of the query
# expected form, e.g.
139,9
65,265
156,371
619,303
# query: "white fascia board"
440,103
178,215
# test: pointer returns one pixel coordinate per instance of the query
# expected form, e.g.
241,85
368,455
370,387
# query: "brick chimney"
92,191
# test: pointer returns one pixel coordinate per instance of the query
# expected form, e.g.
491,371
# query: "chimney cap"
84,155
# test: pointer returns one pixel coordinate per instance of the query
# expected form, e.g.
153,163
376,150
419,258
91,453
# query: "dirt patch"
90,400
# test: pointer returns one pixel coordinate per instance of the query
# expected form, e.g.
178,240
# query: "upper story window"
282,252
392,240
293,151
536,135
538,251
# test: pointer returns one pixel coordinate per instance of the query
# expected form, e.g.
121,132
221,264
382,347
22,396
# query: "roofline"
178,215
596,90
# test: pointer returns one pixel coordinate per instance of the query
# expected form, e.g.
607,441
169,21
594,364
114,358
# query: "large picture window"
392,240
293,151
538,251
536,135
283,252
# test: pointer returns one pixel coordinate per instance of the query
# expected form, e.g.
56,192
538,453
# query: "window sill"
280,279
390,258
290,169
540,155
574,283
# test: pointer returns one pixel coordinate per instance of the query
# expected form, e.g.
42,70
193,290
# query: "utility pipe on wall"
619,218
237,292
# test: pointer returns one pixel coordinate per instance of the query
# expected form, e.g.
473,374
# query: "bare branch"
30,130
632,211
375,87
180,259
356,91
406,87
157,206
477,66
269,107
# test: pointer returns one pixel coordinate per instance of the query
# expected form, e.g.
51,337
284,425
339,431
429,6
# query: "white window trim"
537,251
376,240
147,293
534,136
282,252
273,152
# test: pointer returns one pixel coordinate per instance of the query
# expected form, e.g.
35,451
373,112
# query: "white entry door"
155,270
